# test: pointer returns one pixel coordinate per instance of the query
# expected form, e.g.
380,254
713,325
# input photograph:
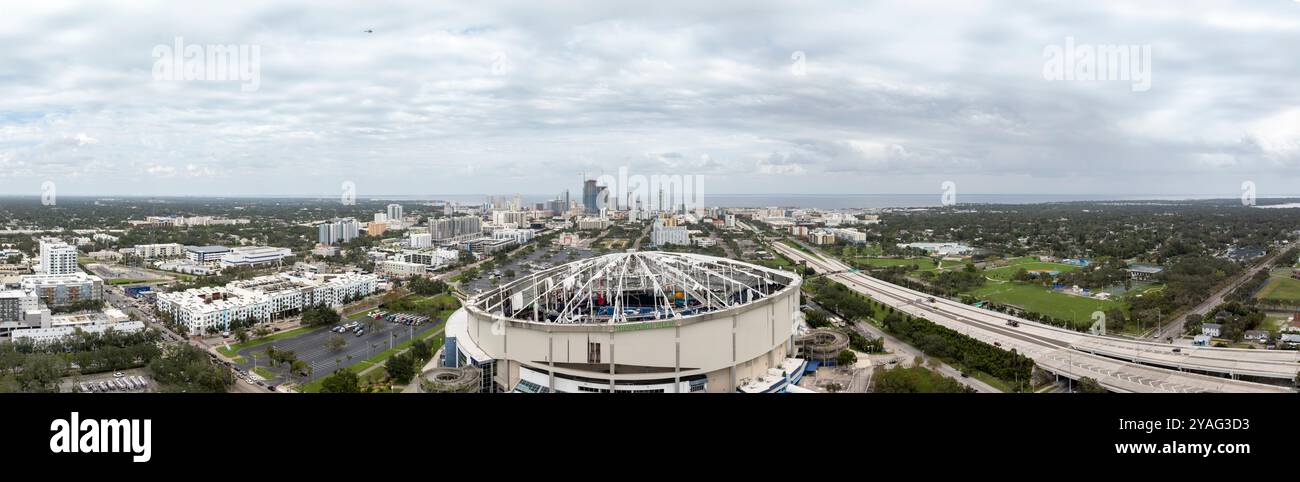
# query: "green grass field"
1281,288
1077,309
264,373
1006,272
921,263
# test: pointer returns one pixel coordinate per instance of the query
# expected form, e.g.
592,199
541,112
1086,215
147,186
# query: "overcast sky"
757,97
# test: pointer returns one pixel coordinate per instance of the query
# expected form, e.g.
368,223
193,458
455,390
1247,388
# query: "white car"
117,375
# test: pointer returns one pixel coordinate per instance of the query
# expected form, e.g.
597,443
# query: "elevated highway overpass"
1118,364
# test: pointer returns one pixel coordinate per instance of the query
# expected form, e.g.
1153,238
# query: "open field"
1281,288
1076,309
1005,273
921,263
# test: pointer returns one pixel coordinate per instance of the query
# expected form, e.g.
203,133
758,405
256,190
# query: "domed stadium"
633,322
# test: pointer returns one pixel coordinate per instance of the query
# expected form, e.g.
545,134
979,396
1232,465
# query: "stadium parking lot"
310,347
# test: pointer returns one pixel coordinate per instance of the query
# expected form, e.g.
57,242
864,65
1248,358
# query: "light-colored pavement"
1045,343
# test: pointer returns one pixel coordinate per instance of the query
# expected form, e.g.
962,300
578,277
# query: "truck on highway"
1013,323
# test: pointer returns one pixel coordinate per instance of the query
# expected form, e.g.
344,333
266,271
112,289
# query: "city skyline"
764,99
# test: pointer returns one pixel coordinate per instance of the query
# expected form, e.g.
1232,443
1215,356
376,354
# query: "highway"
1118,364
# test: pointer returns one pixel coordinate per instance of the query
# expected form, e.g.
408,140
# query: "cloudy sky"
757,97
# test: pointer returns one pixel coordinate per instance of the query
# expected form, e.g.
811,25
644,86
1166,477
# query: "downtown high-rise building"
395,212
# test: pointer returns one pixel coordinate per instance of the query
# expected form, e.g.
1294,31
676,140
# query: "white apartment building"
421,240
63,289
262,298
520,236
58,257
850,235
663,235
510,218
395,212
151,251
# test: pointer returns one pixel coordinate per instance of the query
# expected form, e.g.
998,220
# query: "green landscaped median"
233,350
264,373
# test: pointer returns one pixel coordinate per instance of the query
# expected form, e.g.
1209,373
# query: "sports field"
1281,288
1077,309
1029,264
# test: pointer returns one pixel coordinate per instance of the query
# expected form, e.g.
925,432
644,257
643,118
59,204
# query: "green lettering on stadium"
644,326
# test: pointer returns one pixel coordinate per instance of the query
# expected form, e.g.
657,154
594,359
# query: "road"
902,348
1072,354
1174,328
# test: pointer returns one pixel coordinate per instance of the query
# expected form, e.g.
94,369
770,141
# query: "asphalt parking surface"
518,264
310,347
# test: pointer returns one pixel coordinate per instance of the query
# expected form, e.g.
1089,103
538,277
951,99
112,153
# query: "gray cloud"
506,97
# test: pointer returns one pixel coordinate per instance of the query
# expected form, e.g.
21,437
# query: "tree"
1089,385
846,358
401,368
421,350
341,381
335,342
241,334
41,372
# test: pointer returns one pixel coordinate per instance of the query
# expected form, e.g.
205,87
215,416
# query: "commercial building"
400,269
40,336
20,308
337,230
942,249
432,257
488,245
206,254
262,298
58,257
642,322
255,256
395,212
64,289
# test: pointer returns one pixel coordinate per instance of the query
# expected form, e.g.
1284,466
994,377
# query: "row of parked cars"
403,318
119,382
354,326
